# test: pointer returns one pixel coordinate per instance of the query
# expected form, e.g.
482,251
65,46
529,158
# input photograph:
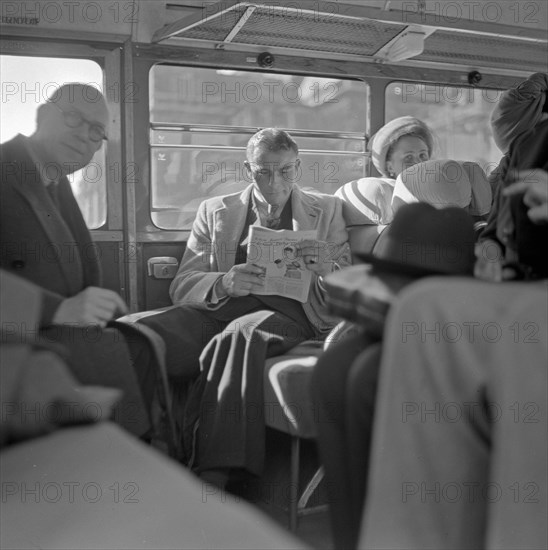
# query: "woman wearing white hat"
399,144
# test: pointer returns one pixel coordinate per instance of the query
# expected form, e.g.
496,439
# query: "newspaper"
284,270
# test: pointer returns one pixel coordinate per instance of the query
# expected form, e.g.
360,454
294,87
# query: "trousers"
221,353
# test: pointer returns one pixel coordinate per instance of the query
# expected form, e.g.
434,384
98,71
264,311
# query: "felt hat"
389,134
423,240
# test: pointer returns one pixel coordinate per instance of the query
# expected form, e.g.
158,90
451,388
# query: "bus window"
459,117
201,120
26,83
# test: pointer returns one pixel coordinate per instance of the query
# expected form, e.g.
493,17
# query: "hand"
534,186
315,256
48,385
489,261
243,279
92,306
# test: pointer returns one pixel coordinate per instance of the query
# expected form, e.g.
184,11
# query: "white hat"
439,182
391,132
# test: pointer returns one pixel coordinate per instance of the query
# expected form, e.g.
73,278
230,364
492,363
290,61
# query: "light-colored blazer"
211,248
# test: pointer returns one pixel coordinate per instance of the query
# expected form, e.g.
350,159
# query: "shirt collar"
261,207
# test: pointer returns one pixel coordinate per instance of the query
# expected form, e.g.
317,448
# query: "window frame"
489,166
250,130
109,61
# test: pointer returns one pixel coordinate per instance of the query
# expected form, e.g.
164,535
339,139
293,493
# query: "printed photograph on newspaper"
277,253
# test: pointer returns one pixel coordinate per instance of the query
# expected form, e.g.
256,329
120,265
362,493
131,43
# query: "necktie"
272,222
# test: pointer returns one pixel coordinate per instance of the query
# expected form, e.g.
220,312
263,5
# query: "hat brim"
399,268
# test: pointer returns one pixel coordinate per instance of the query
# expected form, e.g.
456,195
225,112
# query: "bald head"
71,127
81,97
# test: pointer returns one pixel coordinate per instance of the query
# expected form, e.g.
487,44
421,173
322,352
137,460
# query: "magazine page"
284,270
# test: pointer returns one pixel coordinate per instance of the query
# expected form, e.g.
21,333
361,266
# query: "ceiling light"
404,46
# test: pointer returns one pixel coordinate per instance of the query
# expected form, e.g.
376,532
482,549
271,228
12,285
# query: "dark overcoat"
51,246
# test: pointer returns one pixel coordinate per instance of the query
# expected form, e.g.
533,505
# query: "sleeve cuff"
50,304
218,293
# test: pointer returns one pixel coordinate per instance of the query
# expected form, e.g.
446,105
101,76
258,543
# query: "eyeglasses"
74,119
289,172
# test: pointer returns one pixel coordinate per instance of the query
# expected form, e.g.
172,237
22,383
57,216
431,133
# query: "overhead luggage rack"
356,32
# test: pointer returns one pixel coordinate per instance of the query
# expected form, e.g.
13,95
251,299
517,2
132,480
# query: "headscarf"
519,109
389,134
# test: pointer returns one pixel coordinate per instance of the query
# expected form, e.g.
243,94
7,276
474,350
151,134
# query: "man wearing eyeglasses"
220,330
44,239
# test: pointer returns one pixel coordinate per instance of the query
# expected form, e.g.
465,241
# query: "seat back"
362,238
367,201
367,210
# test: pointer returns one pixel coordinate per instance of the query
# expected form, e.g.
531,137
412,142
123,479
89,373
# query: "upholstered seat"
288,405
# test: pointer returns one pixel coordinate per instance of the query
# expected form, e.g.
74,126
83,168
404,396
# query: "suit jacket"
38,243
211,248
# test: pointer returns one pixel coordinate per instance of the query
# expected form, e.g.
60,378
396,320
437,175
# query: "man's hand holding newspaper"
287,260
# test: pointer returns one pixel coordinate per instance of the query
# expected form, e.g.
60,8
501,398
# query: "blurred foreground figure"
459,446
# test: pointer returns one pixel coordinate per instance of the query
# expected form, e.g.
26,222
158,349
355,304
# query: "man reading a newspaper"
224,326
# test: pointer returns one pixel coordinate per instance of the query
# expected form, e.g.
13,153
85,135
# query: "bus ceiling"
421,32
508,36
